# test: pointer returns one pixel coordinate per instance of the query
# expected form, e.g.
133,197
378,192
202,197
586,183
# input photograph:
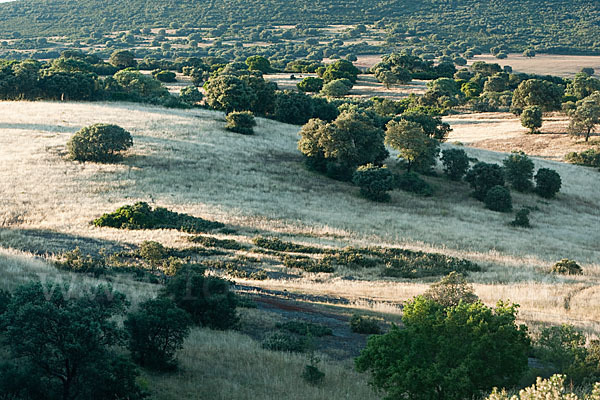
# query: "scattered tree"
547,183
310,84
456,163
451,290
122,59
241,122
156,331
531,118
483,176
413,145
447,353
518,169
498,199
585,116
99,142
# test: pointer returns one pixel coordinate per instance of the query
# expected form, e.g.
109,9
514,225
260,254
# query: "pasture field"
542,64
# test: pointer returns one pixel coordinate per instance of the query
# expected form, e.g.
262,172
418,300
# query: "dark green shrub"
531,118
522,218
310,84
567,267
364,324
5,298
562,350
281,341
164,76
313,375
190,95
207,299
498,199
482,177
277,244
588,158
76,261
241,122
307,264
352,258
99,142
153,252
156,331
337,88
142,216
413,183
305,328
209,241
451,290
518,170
374,182
456,163
547,183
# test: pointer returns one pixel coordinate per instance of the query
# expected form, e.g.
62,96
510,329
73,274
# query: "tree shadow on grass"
43,242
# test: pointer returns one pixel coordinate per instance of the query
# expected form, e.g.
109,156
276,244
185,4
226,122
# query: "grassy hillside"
556,25
186,161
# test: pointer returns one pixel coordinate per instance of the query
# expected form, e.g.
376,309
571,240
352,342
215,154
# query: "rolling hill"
558,26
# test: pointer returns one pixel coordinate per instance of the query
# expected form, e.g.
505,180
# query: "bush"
190,95
207,299
482,177
99,142
374,182
518,170
337,88
498,199
547,183
156,331
456,163
142,216
588,158
522,218
277,244
365,325
562,349
312,374
307,264
241,122
451,290
164,76
280,341
209,241
547,389
438,352
567,267
75,261
412,182
310,84
153,252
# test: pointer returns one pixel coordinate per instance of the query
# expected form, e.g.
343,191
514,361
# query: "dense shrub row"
141,216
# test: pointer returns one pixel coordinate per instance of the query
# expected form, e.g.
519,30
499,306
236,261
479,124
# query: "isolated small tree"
310,84
567,267
156,331
241,122
456,163
530,53
522,218
451,290
531,118
588,71
374,182
483,176
547,183
585,116
122,59
518,169
388,78
413,145
99,142
498,199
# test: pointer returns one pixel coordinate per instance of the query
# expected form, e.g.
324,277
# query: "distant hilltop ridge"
557,26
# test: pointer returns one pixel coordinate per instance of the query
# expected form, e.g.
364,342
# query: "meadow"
186,161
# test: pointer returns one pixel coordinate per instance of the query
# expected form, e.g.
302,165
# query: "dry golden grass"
503,132
186,161
213,365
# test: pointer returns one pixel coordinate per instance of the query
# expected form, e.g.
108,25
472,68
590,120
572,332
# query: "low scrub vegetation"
99,142
142,216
